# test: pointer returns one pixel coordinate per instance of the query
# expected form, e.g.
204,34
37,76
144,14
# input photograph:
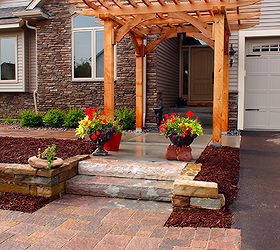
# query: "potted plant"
181,130
99,127
46,160
126,120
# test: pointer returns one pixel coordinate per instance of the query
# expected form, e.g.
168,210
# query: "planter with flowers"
181,130
99,127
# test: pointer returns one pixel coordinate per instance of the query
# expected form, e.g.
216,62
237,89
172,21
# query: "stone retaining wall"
190,194
22,178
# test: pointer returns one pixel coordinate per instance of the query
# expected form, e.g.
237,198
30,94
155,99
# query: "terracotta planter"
114,143
36,162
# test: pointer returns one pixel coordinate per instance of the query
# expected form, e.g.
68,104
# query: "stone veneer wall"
12,103
233,110
55,86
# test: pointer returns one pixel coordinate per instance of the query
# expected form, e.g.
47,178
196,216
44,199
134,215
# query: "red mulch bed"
22,203
18,150
220,165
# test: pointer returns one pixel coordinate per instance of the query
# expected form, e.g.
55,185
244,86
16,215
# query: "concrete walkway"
257,208
83,222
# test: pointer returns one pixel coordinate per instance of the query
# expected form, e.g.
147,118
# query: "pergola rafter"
208,20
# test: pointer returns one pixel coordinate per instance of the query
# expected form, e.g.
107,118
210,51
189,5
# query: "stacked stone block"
22,178
191,194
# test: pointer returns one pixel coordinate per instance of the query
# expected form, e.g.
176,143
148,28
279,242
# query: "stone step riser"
120,188
134,170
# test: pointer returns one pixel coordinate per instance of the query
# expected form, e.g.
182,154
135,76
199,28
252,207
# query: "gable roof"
8,19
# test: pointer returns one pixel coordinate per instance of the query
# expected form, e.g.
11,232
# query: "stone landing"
145,180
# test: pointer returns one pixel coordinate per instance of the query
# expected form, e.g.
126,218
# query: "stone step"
131,169
120,187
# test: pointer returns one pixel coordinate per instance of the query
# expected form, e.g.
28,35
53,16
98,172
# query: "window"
8,59
88,48
274,47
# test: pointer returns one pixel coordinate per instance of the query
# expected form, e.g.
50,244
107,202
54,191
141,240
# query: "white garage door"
262,84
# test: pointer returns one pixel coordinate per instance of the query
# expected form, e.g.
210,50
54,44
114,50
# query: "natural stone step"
120,187
131,169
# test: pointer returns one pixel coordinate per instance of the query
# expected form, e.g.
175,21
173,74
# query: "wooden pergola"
208,20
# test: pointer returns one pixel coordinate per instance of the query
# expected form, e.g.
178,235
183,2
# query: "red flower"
105,121
86,123
90,117
189,114
166,116
89,111
97,133
189,128
93,137
103,113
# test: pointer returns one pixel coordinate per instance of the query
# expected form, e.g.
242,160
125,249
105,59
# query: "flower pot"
114,143
182,141
38,163
100,142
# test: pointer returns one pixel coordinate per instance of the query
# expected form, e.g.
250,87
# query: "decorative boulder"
184,153
171,153
36,162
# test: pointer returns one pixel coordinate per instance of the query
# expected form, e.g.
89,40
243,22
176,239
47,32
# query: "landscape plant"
72,118
126,117
54,118
178,126
97,124
48,154
28,118
8,120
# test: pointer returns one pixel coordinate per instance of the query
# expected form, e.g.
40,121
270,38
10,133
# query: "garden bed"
18,150
220,165
22,203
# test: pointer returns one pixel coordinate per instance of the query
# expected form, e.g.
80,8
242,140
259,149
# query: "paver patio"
83,222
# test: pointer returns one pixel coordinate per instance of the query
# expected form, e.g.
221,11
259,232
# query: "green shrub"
126,117
8,120
72,118
28,118
54,118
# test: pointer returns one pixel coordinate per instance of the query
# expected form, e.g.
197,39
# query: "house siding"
168,72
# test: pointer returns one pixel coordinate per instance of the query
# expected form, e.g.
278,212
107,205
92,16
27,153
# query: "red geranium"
189,114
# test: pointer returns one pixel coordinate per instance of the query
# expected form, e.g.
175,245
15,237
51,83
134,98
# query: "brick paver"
82,222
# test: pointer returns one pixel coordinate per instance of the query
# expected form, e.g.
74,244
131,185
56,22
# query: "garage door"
262,84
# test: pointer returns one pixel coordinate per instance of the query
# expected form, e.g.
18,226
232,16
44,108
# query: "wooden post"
139,84
109,68
225,85
218,77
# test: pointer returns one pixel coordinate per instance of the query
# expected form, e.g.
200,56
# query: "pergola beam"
168,8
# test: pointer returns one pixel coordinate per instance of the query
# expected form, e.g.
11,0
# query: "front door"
201,74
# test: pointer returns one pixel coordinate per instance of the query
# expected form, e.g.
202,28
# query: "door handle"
252,109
